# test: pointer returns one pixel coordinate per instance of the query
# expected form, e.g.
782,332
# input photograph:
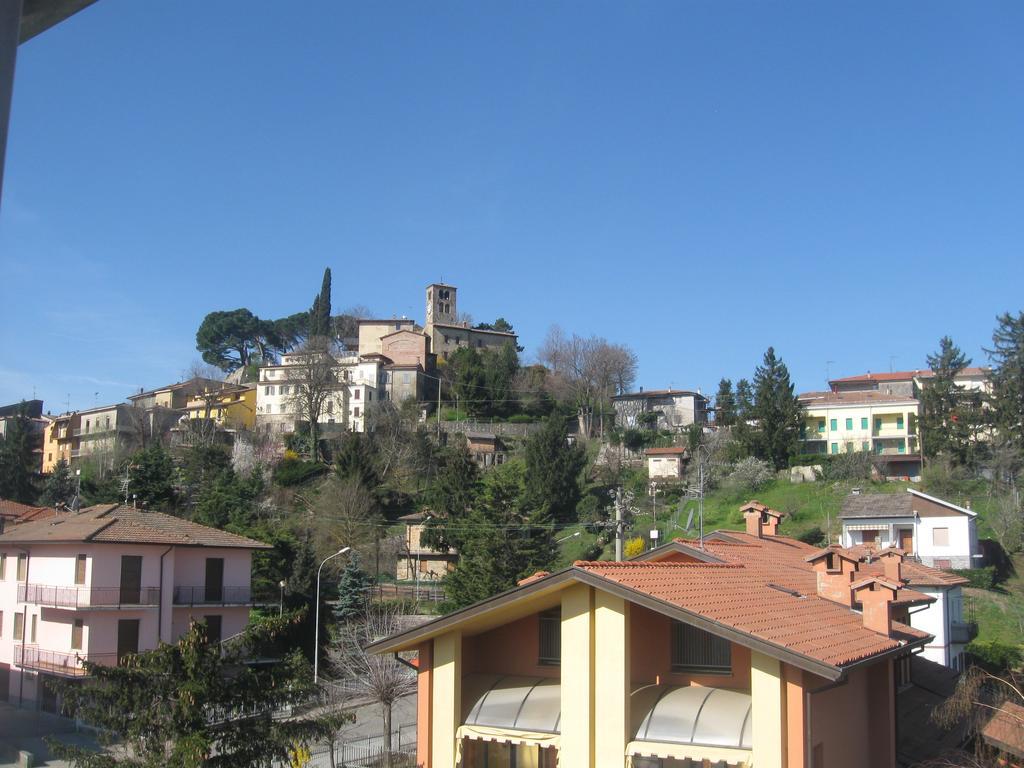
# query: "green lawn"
1000,612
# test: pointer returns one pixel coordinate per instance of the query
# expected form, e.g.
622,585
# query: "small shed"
666,463
486,448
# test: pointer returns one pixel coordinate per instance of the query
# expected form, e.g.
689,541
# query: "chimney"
752,516
876,597
761,520
835,570
892,561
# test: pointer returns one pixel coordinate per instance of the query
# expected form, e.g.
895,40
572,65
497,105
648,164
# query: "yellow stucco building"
231,407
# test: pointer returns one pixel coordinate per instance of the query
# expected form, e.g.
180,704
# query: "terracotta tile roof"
749,599
112,523
13,510
906,375
1005,731
812,399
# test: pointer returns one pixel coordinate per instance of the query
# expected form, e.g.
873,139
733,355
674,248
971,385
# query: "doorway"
127,638
907,540
131,579
214,591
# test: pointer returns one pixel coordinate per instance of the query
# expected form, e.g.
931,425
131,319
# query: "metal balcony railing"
66,663
88,597
212,595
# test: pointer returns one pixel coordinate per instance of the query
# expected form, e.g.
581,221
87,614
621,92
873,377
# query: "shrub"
980,578
295,471
855,465
748,474
996,657
813,536
589,509
633,547
521,418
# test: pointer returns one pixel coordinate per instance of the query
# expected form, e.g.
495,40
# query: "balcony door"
907,540
214,590
131,579
127,638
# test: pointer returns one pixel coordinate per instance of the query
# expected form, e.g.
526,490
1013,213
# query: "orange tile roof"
673,451
14,510
749,598
113,523
1005,731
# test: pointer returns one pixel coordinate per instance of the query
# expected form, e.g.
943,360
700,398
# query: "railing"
212,595
433,593
88,597
367,751
67,663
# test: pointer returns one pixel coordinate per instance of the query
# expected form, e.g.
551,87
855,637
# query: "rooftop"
904,375
1005,731
644,393
871,505
13,510
675,450
118,524
852,398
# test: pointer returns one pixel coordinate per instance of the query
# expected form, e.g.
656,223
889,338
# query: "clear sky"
698,180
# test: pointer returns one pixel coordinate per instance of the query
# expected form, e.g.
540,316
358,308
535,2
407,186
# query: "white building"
354,388
672,409
930,530
108,581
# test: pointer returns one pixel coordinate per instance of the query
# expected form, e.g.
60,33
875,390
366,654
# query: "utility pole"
618,524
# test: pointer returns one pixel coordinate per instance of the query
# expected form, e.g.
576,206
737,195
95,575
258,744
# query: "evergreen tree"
776,411
228,501
744,400
353,592
163,704
451,499
949,414
503,541
17,462
151,477
553,468
725,404
60,487
468,379
356,460
324,305
1007,358
500,369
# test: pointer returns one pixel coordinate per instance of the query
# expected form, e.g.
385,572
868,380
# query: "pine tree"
744,400
17,463
353,592
60,486
553,468
163,704
451,498
1007,358
725,404
949,414
151,477
356,460
777,412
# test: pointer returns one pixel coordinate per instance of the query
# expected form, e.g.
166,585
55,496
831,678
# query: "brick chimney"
876,597
760,519
892,561
835,569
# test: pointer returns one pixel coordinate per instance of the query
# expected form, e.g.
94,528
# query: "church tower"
441,304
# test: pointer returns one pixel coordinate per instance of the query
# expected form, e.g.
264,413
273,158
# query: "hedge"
980,578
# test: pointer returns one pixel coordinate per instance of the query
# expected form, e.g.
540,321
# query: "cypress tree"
324,306
17,464
725,404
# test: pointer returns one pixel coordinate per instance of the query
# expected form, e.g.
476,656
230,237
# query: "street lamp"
316,631
280,605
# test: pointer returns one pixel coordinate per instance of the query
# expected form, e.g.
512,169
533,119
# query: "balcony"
78,597
63,663
962,631
212,595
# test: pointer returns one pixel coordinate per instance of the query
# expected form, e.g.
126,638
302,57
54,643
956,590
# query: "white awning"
520,703
874,527
693,715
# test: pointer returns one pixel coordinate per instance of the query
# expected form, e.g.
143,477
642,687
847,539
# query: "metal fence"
212,595
87,597
433,593
367,752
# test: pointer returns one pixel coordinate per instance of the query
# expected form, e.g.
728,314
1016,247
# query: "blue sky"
697,180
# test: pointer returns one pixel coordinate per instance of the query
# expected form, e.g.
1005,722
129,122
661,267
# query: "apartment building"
690,659
883,424
174,396
353,388
229,406
671,409
909,383
61,440
108,581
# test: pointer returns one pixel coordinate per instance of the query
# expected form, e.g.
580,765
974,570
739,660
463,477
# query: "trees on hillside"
195,703
725,404
60,487
1007,357
553,467
233,339
17,461
312,382
321,327
587,373
950,415
776,411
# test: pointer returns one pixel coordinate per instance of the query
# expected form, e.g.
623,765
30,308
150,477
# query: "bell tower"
441,307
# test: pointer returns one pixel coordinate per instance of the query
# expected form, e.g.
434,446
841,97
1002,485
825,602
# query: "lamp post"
280,605
316,631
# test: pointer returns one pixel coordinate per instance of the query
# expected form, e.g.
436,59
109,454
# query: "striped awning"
875,527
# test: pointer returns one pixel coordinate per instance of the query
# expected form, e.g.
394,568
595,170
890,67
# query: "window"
550,637
864,446
330,406
76,635
694,650
22,568
268,390
355,412
833,424
19,626
80,569
356,395
369,394
835,447
899,421
878,423
821,425
940,537
284,389
849,424
849,447
863,422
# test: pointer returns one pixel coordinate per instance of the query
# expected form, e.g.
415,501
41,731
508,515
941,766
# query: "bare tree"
393,428
382,678
588,372
345,514
313,381
978,696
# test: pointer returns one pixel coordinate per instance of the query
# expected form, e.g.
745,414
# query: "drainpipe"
160,603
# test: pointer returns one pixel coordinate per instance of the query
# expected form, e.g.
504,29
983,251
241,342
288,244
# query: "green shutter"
899,422
834,425
849,424
835,447
878,422
863,422
821,425
864,445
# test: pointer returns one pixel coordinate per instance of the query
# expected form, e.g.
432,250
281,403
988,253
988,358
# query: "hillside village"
447,472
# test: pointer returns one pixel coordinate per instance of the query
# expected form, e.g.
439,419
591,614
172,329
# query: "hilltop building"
671,409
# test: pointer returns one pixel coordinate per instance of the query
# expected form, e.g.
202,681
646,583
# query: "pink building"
108,581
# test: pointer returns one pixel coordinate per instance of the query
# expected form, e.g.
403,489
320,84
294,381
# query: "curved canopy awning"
713,717
519,703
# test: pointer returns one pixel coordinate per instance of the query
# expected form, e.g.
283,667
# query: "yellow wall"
446,698
767,706
857,434
577,745
611,680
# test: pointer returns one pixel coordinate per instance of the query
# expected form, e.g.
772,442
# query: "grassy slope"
1000,612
